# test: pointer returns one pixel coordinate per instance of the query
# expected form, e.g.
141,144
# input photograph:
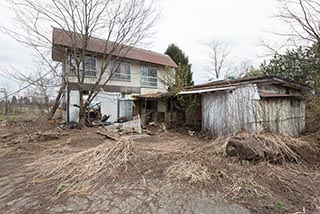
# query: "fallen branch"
108,134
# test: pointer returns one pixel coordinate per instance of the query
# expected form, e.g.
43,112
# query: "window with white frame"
120,71
149,77
90,64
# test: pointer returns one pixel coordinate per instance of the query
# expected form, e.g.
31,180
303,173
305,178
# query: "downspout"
118,103
66,67
68,102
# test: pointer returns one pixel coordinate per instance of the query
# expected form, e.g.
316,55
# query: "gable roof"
243,81
62,38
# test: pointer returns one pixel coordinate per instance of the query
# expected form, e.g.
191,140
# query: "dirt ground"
151,183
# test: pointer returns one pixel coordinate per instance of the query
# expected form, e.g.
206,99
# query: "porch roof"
154,96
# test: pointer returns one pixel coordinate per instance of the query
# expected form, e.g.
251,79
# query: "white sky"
188,24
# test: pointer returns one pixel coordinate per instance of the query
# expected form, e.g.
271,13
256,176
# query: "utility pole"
4,91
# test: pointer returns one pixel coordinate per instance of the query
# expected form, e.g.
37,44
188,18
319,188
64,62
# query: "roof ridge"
166,59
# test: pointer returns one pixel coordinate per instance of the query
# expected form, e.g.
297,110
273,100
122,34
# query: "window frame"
148,77
113,77
89,72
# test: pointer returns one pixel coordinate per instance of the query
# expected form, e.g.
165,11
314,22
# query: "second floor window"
90,64
149,77
120,71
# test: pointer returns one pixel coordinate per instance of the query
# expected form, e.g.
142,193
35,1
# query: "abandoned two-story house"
139,73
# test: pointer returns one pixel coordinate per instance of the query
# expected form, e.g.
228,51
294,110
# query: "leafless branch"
123,24
218,58
303,19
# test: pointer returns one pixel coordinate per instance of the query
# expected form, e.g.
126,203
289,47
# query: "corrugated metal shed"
261,105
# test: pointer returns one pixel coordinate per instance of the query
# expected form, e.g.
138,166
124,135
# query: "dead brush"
275,148
192,172
82,171
197,166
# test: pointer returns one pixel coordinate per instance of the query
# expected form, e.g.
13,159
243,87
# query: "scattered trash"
3,123
93,115
105,118
122,119
152,123
115,130
68,125
132,126
191,133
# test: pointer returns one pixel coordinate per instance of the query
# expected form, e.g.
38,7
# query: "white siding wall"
135,78
74,111
109,105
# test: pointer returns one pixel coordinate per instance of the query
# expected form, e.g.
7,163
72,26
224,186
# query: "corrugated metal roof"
63,38
244,81
154,95
205,90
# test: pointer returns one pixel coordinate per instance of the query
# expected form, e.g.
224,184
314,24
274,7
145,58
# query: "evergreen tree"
14,100
301,64
183,72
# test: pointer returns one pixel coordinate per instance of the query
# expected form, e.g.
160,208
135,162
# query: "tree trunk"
56,102
61,90
82,111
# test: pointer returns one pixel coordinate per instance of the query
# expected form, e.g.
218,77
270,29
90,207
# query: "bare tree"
218,58
303,18
123,24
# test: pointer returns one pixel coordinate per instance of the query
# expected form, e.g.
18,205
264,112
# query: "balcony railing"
89,73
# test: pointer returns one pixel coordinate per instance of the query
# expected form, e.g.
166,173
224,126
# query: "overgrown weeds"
257,184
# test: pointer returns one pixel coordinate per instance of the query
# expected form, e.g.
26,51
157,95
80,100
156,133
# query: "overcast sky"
190,25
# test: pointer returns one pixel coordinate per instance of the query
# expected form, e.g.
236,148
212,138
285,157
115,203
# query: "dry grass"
192,172
277,148
84,170
255,184
186,159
